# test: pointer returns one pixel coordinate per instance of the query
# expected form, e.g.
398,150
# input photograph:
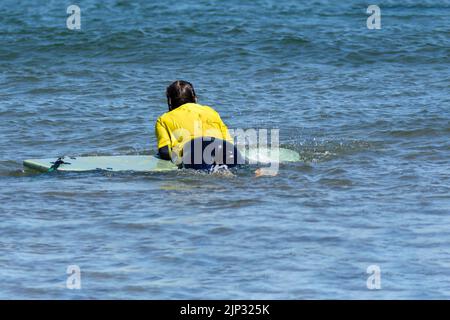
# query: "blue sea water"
368,111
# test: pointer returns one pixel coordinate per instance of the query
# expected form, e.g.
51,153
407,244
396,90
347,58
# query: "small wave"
421,132
424,4
336,182
11,169
293,40
221,231
325,150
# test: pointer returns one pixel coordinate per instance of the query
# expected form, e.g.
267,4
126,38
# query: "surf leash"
57,164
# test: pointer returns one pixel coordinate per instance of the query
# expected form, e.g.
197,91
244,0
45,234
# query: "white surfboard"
107,163
146,163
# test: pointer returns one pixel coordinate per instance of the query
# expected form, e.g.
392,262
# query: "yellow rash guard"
187,122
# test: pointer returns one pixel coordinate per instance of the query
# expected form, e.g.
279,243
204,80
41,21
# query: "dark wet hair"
180,92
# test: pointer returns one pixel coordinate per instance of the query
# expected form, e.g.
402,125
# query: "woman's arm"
164,153
163,140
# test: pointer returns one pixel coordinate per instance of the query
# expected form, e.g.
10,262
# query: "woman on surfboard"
193,135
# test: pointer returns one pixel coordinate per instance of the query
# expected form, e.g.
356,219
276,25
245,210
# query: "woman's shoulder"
208,109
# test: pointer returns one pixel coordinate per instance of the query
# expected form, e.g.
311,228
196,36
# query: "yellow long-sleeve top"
187,122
